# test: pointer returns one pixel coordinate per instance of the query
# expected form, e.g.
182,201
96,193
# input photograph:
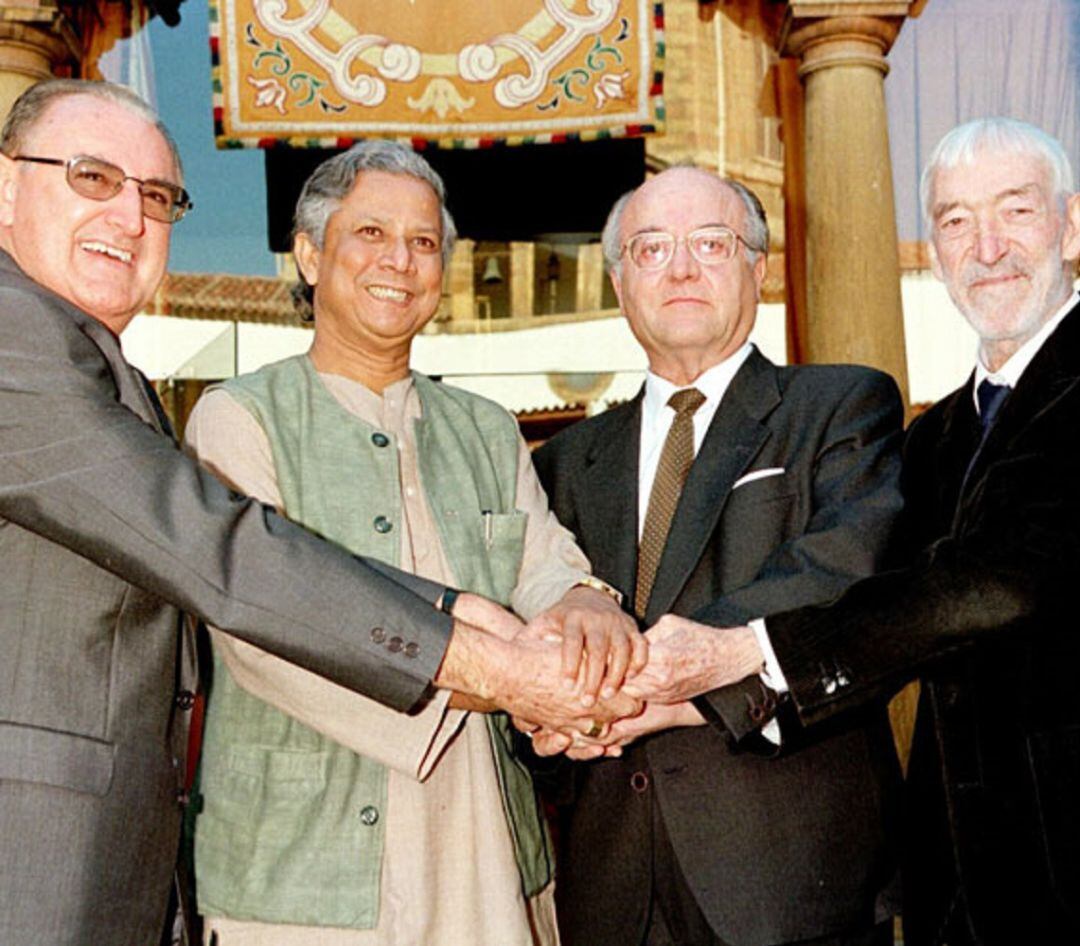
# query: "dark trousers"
675,919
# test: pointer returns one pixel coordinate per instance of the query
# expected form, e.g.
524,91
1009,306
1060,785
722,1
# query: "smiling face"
1004,246
102,256
378,275
687,316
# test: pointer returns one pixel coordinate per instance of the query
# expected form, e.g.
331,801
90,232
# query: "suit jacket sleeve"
1007,564
82,469
854,502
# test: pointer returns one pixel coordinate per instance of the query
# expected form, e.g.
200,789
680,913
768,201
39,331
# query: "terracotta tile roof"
228,298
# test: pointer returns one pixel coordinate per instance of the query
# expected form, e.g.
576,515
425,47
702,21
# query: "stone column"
461,281
589,292
35,38
853,303
522,280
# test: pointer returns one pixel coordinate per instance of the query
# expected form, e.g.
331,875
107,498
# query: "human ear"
8,190
307,257
1070,239
761,264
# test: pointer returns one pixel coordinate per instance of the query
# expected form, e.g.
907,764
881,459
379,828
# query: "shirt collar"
1010,372
713,383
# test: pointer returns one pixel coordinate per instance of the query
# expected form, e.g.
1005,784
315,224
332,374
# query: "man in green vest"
323,809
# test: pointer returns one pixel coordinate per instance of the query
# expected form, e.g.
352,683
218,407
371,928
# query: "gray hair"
999,136
332,181
757,227
33,103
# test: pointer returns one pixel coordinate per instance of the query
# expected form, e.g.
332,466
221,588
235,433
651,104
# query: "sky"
226,232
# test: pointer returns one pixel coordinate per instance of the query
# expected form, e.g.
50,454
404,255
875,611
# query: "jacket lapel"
954,449
605,498
129,382
734,438
1053,371
133,388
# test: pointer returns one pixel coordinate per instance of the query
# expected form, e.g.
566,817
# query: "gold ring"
594,730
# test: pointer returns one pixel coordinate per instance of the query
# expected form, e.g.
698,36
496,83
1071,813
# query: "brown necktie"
675,461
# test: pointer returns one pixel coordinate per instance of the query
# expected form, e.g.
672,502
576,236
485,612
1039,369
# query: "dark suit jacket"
994,777
106,529
774,849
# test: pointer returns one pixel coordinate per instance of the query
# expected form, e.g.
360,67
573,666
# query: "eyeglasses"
100,180
708,245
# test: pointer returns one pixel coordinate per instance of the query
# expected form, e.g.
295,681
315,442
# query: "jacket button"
383,525
380,439
412,649
185,699
369,815
639,782
395,644
378,635
757,714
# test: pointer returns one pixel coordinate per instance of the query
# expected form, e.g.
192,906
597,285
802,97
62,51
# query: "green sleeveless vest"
292,825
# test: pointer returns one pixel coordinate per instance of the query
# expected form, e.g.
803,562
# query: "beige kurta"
448,873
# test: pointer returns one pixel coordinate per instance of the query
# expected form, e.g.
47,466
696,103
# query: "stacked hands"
581,679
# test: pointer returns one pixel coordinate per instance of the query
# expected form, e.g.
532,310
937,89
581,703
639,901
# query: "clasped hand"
685,659
581,678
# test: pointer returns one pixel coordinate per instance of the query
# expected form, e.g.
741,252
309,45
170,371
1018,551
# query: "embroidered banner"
456,73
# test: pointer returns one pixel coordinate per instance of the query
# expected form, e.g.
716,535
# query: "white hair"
997,135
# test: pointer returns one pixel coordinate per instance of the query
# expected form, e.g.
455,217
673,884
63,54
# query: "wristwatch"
449,599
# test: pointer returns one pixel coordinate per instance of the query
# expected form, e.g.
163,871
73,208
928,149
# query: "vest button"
639,782
395,644
369,815
412,649
383,525
185,700
380,439
378,635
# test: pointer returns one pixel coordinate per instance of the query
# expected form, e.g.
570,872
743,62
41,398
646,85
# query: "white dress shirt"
656,420
1009,373
657,417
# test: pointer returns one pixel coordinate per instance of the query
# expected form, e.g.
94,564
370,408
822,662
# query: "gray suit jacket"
774,849
106,532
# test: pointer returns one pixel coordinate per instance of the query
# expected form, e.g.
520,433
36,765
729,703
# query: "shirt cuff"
772,676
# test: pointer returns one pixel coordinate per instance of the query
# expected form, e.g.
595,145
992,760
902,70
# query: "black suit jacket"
985,614
106,531
774,849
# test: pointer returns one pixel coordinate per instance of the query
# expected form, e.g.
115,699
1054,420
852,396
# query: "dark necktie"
991,396
675,461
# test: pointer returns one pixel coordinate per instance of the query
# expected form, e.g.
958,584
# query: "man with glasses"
728,489
107,531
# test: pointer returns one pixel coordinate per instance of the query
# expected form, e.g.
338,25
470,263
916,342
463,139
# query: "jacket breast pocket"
759,516
504,541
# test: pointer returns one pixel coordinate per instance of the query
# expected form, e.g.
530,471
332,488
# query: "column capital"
35,37
827,33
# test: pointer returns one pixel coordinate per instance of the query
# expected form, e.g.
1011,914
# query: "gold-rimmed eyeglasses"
654,249
100,180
